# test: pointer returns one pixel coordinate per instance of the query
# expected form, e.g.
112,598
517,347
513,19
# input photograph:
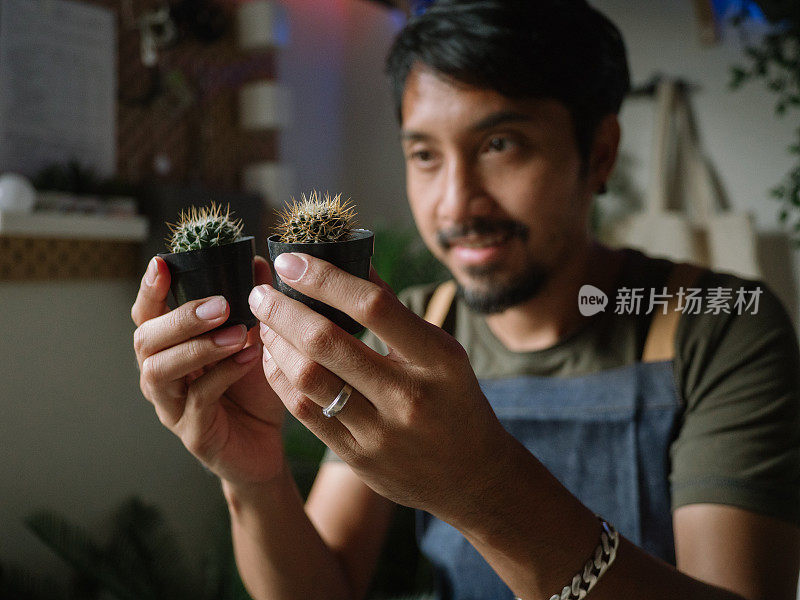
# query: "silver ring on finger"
335,407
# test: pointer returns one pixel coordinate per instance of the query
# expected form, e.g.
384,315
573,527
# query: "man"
511,438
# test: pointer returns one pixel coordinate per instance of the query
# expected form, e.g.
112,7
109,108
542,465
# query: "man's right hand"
208,388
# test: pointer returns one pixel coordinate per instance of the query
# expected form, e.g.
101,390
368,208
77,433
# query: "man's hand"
205,386
417,428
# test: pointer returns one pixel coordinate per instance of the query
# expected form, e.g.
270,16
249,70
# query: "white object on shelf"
52,224
262,24
265,105
274,181
16,193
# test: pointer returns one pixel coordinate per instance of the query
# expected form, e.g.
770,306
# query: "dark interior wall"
186,109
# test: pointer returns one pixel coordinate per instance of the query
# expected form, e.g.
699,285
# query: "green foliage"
141,560
775,60
402,259
203,228
316,218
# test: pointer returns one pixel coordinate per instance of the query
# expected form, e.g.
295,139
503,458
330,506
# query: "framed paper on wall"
57,85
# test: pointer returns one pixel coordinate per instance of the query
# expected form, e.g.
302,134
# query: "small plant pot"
218,271
352,256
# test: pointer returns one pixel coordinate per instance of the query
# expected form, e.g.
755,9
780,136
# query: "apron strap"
439,304
660,342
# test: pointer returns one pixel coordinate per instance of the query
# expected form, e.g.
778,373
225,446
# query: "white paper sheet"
57,85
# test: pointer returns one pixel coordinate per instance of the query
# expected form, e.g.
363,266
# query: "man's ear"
603,156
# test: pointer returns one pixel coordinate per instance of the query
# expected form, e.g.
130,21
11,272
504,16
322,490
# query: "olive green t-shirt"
737,374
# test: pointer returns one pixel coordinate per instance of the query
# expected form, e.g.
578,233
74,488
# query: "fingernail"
290,266
248,354
152,272
267,355
256,296
211,309
230,336
262,329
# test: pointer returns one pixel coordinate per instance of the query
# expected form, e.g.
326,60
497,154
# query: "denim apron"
605,436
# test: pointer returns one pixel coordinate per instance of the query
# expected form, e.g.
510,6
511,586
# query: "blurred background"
117,114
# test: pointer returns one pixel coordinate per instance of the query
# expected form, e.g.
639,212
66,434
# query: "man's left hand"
417,428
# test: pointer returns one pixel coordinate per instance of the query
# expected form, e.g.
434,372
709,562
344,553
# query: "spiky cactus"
203,228
317,218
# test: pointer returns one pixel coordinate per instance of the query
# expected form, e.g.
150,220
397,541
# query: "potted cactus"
324,227
209,256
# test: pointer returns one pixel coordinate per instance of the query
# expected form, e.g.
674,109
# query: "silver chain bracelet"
604,555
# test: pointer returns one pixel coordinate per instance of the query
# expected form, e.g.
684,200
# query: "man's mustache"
512,229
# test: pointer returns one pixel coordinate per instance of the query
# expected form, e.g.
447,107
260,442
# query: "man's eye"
422,156
498,144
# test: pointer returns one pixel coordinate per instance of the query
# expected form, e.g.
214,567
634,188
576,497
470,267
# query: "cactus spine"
203,228
317,218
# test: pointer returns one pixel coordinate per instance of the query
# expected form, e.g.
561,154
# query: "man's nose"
463,194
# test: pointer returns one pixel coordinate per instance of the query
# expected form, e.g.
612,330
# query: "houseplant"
209,256
775,59
324,227
142,558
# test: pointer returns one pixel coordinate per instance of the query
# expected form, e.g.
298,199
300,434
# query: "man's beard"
491,296
494,292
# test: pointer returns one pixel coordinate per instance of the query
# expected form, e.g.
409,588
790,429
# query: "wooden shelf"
49,245
57,225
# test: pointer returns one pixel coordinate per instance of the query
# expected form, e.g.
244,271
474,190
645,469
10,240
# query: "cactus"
203,228
317,218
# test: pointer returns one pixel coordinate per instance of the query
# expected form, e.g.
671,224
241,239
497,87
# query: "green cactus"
203,228
317,218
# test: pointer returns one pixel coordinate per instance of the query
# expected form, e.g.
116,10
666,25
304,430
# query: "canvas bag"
696,226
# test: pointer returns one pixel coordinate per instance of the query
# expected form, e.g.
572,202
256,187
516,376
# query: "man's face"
495,186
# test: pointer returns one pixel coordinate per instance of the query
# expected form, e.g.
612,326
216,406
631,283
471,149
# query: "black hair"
563,50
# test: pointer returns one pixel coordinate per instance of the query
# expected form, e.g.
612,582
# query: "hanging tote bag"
685,218
660,229
726,239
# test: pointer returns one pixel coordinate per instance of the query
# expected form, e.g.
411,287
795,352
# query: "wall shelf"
52,224
47,245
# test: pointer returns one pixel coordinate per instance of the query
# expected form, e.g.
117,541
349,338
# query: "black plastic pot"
352,256
218,271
